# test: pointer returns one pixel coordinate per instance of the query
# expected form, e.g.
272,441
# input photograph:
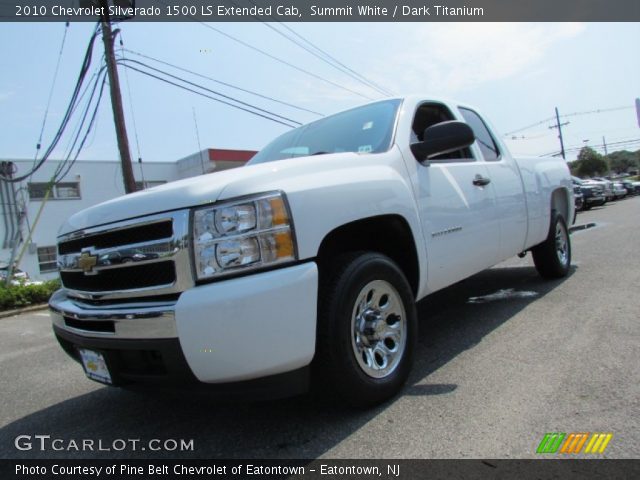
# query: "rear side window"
483,136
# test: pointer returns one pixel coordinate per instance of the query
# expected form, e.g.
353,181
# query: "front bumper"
597,199
244,329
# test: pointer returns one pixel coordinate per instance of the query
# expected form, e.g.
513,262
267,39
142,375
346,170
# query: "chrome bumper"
135,320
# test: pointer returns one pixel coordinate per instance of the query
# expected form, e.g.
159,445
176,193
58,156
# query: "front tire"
552,257
367,329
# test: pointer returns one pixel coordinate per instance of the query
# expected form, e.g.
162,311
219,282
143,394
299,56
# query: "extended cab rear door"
506,182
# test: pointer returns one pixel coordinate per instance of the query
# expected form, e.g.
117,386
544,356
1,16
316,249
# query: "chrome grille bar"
129,258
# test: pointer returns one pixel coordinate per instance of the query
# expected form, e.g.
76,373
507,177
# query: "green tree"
590,163
623,160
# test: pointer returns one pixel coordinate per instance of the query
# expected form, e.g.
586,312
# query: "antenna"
195,121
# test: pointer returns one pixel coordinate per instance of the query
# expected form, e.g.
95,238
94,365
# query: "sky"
515,73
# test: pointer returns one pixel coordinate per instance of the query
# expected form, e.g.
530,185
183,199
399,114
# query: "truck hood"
204,189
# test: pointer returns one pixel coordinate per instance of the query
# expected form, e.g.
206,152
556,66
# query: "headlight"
240,235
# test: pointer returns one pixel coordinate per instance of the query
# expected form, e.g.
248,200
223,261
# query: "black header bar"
318,469
323,10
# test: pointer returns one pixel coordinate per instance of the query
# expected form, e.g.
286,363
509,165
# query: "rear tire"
552,257
367,330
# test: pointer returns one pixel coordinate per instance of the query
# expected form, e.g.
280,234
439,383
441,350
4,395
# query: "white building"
31,238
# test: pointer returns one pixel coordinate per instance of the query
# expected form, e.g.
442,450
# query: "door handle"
480,181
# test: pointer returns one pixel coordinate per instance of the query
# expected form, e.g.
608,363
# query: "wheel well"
386,234
560,203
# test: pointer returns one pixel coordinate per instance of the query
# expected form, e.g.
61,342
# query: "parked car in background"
578,197
592,193
607,188
18,277
125,256
619,192
633,188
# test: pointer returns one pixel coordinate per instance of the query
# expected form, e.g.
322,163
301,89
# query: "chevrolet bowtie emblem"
86,262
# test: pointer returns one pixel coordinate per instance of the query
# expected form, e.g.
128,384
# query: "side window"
47,259
60,191
430,114
68,190
483,136
149,184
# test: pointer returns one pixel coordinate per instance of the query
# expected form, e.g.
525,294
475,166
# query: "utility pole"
116,100
559,126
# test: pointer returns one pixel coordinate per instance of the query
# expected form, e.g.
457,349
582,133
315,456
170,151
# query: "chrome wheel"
379,329
562,244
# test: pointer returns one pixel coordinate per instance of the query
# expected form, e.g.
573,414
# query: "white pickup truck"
306,264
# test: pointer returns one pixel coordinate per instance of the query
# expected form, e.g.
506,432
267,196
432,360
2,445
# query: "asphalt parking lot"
493,375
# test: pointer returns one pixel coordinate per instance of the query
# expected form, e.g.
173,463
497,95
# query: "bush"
17,296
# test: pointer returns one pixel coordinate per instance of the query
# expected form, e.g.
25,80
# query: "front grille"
144,257
103,326
127,278
125,236
98,302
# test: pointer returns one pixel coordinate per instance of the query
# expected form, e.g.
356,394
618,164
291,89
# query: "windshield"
366,129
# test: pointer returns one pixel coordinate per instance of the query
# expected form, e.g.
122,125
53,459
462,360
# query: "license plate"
95,366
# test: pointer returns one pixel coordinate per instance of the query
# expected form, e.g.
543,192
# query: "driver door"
457,210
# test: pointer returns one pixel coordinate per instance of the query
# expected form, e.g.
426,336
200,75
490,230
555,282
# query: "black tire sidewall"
563,268
345,373
545,255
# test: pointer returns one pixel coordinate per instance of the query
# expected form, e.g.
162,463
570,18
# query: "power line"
53,84
328,59
133,117
626,140
89,86
284,62
356,73
319,53
125,61
222,83
207,96
577,148
611,144
600,110
273,57
67,116
60,175
100,80
541,122
75,136
531,137
574,114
